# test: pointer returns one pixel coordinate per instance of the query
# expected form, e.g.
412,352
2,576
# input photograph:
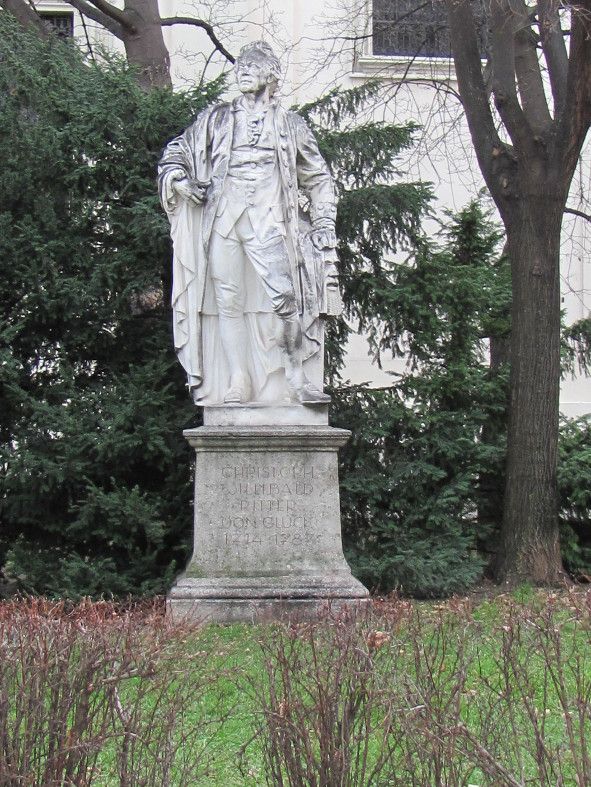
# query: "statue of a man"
251,268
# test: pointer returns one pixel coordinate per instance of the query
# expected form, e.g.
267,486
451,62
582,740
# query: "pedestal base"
267,523
257,600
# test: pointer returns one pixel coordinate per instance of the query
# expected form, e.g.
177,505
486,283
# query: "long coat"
202,153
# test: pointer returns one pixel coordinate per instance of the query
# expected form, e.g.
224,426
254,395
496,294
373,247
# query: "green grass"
234,653
235,656
230,654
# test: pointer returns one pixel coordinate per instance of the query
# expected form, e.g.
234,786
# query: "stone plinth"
267,520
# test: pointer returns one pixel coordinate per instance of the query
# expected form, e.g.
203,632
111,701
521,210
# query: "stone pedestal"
267,519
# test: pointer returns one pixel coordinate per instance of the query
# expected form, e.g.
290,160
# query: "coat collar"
239,104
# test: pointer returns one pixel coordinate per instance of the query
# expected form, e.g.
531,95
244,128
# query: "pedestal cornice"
267,438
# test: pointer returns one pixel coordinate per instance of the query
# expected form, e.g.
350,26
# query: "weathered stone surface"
267,525
265,414
254,274
259,610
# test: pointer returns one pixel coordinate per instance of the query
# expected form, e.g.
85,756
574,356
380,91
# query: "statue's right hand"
192,190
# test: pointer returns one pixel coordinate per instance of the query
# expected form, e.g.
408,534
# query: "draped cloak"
202,153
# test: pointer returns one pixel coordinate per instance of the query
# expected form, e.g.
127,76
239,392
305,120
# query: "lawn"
456,693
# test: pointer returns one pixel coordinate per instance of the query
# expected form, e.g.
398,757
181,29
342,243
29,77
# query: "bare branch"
87,37
188,20
205,67
471,83
438,85
89,10
579,213
504,88
554,49
576,118
114,13
25,15
527,70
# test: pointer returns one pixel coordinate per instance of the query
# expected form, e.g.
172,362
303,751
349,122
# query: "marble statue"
252,210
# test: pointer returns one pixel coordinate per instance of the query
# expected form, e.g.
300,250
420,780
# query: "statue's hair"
264,49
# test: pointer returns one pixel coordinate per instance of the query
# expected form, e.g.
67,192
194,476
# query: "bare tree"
528,160
138,25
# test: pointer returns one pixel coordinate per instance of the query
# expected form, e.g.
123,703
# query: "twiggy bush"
431,697
94,695
537,686
327,716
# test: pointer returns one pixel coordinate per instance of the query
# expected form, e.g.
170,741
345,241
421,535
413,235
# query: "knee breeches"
228,257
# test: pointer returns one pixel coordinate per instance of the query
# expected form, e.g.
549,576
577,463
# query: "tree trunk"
144,43
26,15
529,548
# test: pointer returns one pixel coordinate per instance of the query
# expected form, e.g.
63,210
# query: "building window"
416,28
61,22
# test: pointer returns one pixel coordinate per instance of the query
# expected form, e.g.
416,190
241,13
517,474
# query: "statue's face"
252,73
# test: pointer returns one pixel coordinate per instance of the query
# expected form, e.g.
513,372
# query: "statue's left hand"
194,191
324,238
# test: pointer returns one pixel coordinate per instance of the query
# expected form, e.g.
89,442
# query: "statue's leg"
290,343
226,261
271,262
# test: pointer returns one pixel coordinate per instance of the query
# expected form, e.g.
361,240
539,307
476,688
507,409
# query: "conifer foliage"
95,493
416,496
422,477
94,475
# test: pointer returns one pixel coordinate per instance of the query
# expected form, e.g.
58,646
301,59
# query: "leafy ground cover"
493,691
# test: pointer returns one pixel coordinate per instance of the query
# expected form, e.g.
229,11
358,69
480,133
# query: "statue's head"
257,66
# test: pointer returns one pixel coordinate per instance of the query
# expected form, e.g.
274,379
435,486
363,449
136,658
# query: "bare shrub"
93,692
430,696
534,714
327,714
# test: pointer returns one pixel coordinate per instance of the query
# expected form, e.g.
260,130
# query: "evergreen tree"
422,477
95,477
95,489
574,487
379,214
414,501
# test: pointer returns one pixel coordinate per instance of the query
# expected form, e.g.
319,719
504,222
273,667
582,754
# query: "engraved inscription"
264,506
277,539
251,472
265,522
